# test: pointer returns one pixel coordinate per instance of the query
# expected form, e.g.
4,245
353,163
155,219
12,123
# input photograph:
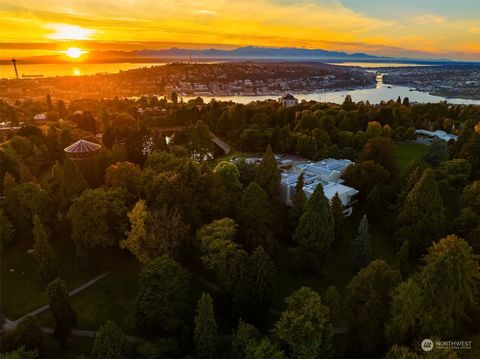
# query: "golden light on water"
76,71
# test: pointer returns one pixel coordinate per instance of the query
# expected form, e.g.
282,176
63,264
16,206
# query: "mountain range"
240,53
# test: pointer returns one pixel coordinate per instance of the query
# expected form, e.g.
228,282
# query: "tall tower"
15,67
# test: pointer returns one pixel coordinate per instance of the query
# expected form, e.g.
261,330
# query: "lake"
73,69
375,95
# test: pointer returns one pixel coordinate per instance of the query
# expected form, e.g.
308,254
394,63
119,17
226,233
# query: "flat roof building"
326,173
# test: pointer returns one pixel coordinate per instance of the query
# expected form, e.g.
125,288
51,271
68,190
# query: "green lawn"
406,152
76,348
21,290
337,269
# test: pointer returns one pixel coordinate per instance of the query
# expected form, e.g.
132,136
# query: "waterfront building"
288,100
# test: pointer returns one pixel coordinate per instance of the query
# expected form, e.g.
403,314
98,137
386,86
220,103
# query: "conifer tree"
338,216
205,334
422,218
299,199
62,311
268,176
362,252
43,252
245,335
261,281
439,298
333,300
314,233
255,218
73,183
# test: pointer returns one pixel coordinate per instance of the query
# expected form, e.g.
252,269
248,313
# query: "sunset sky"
407,28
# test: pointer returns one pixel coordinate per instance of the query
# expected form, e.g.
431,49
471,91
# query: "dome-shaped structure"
82,149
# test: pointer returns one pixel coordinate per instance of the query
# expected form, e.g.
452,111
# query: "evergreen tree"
422,218
374,204
6,231
367,301
255,218
304,325
264,349
333,300
268,176
110,342
338,216
299,199
62,311
43,252
174,97
73,183
238,284
412,175
245,335
49,103
261,281
315,231
442,296
403,256
205,333
362,252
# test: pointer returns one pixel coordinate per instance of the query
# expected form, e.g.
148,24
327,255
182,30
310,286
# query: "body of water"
373,95
376,64
73,69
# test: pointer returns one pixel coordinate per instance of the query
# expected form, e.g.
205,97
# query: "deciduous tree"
163,294
155,232
110,342
304,325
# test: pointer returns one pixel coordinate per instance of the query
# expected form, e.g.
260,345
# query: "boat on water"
31,76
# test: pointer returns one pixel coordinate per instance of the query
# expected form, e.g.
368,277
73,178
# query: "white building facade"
324,173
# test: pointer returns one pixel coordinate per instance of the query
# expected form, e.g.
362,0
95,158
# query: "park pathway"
12,324
89,334
222,144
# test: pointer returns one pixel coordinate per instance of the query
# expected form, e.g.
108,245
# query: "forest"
160,245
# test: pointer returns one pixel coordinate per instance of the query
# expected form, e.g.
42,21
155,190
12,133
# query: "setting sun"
74,52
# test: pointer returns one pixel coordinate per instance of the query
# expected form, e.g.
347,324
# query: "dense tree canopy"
161,300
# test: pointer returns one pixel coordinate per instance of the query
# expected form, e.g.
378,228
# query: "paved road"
89,334
222,144
12,324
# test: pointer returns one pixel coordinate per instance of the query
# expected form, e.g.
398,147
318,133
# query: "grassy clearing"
21,290
76,348
337,269
406,152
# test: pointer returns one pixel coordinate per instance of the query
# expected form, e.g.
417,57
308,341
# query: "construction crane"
15,67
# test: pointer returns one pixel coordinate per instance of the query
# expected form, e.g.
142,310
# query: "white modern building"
326,173
441,135
288,100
